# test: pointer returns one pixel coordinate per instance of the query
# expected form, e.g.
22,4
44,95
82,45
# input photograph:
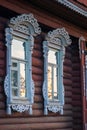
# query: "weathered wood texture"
2,65
23,121
76,87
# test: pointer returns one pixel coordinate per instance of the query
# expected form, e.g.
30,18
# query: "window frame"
57,39
25,27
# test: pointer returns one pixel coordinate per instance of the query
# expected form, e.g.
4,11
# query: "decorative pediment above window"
59,37
25,23
18,84
54,52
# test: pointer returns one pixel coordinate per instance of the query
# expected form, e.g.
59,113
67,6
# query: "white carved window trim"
27,26
57,39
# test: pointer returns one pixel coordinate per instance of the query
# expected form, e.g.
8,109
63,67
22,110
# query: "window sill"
55,106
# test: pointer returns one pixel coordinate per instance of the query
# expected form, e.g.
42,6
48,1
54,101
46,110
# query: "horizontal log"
76,103
1,89
78,127
67,69
37,106
2,27
76,65
67,88
68,55
67,62
76,96
76,122
68,93
2,62
37,46
40,119
67,75
37,70
38,112
76,73
38,83
38,39
76,79
68,100
76,91
2,113
1,36
37,62
38,90
2,105
75,51
38,98
67,107
37,77
2,54
36,126
76,85
77,115
2,72
75,59
68,49
68,113
3,21
2,45
77,109
67,82
2,97
37,53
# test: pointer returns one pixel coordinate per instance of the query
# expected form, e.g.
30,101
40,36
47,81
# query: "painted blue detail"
25,33
57,40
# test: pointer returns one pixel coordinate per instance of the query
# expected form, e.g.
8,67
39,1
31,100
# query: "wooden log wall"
2,65
37,121
76,87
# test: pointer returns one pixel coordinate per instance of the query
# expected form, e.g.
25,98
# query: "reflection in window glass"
18,79
52,75
49,82
52,57
22,80
18,69
14,82
55,83
17,49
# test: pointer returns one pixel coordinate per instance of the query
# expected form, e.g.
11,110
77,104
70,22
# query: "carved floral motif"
6,86
28,18
20,107
55,35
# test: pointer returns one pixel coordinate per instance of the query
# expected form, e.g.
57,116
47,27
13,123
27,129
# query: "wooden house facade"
57,24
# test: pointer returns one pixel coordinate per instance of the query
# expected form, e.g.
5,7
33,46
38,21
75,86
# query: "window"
18,69
19,85
52,75
53,88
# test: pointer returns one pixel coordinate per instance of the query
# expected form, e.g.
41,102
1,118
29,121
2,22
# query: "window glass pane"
49,82
14,92
52,75
14,78
55,83
14,82
17,49
22,80
51,57
18,65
